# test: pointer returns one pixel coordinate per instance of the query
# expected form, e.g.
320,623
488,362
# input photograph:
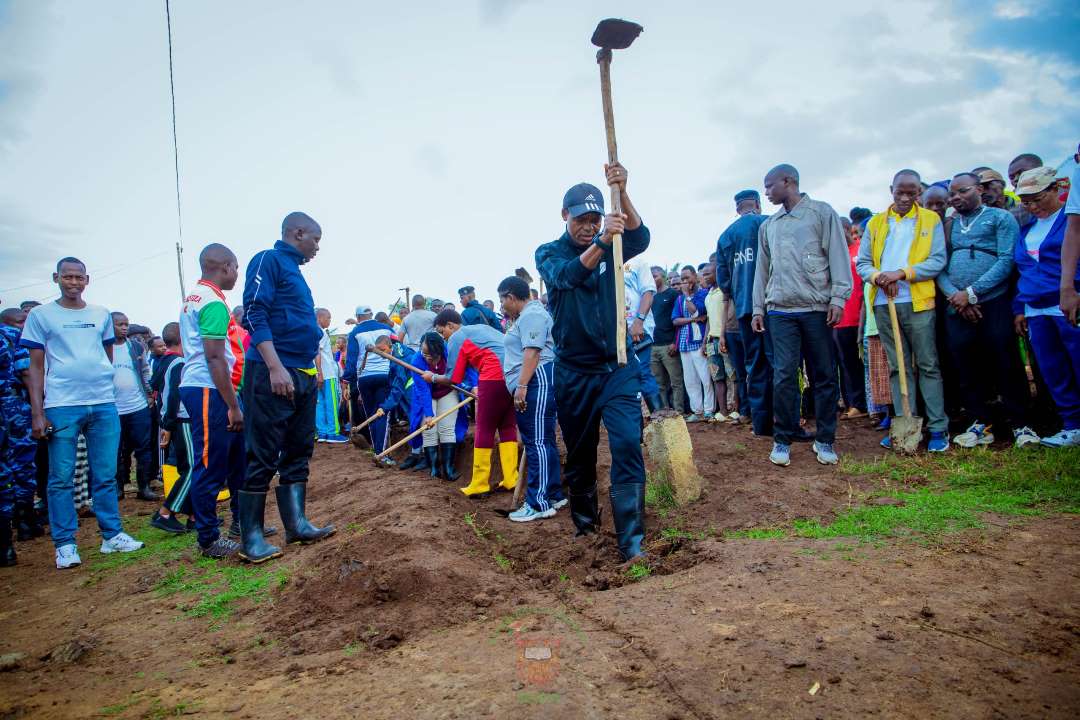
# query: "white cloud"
1014,9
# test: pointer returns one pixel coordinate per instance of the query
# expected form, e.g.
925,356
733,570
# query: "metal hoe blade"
615,34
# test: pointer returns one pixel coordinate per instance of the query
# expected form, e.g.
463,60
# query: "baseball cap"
583,198
363,309
747,195
989,175
1035,180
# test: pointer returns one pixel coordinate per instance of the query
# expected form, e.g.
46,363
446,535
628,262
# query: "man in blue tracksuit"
590,386
473,313
280,387
736,261
370,376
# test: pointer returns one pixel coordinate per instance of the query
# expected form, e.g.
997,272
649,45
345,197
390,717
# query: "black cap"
466,290
747,195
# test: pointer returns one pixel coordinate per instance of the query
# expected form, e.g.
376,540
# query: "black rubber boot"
290,500
628,516
585,512
7,550
449,456
254,548
234,530
29,525
412,462
424,461
431,460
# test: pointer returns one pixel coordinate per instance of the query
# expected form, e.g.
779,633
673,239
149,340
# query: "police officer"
590,386
17,446
473,312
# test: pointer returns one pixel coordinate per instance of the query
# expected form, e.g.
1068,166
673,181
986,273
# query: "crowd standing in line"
786,328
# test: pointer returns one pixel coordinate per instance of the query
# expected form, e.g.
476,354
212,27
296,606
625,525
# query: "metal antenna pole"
176,160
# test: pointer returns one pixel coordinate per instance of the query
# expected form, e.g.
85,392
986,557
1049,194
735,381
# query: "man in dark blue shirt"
736,253
473,312
280,387
590,386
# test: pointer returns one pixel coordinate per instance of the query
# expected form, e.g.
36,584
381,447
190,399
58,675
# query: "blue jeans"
649,388
794,336
101,426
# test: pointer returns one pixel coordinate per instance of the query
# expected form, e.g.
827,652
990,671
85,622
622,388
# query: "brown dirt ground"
410,612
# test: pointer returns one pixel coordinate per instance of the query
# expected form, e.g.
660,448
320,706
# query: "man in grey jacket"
801,282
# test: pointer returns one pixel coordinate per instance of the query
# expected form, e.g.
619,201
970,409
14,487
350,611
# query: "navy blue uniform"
590,386
17,446
736,262
476,314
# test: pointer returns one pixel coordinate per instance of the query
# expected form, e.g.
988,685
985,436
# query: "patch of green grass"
352,648
478,530
952,492
503,562
120,707
563,577
755,534
218,588
355,528
638,571
674,533
531,697
158,711
160,547
659,494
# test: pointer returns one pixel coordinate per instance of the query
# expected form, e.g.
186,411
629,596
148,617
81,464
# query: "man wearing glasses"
978,320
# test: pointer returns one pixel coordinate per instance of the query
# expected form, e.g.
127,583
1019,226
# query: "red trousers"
494,411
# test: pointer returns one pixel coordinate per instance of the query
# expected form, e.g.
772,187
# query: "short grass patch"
950,493
216,588
659,494
638,571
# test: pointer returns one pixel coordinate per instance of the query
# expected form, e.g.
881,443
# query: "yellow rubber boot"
508,456
481,473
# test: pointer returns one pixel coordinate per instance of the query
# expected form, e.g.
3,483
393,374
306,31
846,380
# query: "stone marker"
667,443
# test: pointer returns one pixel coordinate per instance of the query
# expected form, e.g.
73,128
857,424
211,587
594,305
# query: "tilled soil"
427,604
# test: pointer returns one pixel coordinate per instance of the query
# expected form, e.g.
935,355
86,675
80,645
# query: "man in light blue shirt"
76,397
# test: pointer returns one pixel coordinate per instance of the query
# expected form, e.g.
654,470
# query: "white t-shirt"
77,370
638,279
330,369
895,256
1072,205
126,384
1034,240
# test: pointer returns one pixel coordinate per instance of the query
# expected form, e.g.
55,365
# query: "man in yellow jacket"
902,251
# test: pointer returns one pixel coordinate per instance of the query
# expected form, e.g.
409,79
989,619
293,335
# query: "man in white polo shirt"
76,396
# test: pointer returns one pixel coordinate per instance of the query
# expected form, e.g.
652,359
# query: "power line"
176,158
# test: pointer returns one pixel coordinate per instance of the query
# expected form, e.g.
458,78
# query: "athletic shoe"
168,524
780,455
67,556
386,462
708,417
886,442
1065,438
718,418
525,513
121,542
1025,436
977,434
734,416
560,504
939,442
334,439
220,549
825,453
693,418
885,424
322,440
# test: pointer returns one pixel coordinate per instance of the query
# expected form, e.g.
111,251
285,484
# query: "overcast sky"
434,141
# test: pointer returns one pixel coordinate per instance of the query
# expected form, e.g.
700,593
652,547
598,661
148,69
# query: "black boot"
290,500
431,455
234,530
252,506
7,550
449,453
585,512
412,462
628,516
29,526
423,461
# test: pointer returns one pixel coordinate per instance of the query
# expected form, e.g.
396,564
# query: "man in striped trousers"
529,367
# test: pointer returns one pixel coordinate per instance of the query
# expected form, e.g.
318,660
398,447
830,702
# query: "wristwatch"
640,317
972,297
600,243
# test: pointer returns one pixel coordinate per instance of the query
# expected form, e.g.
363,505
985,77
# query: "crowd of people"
799,318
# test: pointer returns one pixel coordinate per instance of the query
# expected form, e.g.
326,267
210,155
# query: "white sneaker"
525,513
67,556
1065,438
977,434
560,504
1025,436
121,542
